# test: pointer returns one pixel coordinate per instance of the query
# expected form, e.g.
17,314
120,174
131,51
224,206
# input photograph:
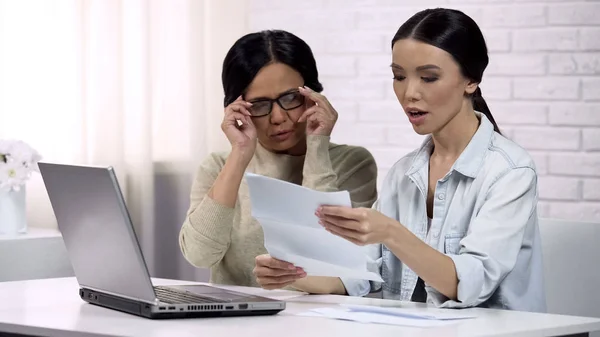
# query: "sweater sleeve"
206,232
356,167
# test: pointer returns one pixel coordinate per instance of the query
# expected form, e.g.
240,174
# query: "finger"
238,108
347,234
342,212
263,281
240,99
341,222
265,272
314,118
233,117
314,96
308,112
271,262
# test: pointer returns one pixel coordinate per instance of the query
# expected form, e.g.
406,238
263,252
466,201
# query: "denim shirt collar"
470,160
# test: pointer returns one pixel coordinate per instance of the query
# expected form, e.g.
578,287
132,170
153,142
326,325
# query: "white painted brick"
387,157
591,189
516,64
381,3
336,65
591,89
497,40
389,90
475,12
579,63
347,110
541,161
545,39
387,111
404,136
356,42
546,138
574,13
548,88
287,4
578,211
375,65
547,1
589,39
559,188
591,140
346,133
529,15
585,114
518,113
354,89
575,164
543,209
507,131
390,19
317,44
478,1
496,88
303,20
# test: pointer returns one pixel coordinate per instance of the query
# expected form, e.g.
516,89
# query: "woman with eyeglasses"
456,221
279,125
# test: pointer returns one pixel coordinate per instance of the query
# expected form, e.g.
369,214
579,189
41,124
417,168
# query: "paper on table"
293,234
425,313
371,317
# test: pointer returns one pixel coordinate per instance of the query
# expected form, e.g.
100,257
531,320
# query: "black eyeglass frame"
277,100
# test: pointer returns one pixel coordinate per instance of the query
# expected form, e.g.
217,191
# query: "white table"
52,307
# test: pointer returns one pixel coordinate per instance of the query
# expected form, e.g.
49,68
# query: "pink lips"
416,116
282,135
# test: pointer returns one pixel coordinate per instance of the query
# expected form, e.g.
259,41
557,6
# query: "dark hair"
456,33
253,51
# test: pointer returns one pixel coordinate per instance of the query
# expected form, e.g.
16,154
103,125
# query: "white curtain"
130,83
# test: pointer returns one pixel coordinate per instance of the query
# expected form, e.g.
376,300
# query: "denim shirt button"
441,196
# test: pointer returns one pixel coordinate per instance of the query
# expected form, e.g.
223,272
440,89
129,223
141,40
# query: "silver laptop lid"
97,230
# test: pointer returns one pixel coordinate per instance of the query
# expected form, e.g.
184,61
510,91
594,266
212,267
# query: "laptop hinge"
155,302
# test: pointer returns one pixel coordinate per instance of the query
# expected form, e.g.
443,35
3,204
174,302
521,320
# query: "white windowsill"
32,233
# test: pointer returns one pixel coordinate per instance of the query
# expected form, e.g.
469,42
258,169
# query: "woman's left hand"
320,117
361,226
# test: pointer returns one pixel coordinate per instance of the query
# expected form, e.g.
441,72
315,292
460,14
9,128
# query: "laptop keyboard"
175,296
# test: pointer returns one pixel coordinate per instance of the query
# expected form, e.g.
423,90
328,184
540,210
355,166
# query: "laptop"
107,260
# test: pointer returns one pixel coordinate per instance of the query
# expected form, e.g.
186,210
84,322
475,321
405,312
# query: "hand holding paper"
293,234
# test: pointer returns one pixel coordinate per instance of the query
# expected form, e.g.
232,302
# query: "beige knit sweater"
227,240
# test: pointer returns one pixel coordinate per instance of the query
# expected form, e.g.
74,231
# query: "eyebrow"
279,95
419,68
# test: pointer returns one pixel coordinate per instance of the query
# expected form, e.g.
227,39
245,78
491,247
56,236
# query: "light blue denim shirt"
484,219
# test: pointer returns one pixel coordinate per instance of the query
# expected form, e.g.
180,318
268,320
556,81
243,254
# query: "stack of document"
292,231
393,316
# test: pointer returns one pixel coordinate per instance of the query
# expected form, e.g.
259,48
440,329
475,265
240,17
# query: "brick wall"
542,83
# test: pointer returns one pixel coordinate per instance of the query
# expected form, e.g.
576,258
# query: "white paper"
371,317
425,313
292,231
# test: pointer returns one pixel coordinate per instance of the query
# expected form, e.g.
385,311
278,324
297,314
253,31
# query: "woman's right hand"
242,137
275,274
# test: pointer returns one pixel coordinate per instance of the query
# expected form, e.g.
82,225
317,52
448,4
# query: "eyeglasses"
287,101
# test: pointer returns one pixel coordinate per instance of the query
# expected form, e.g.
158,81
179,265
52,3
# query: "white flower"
17,161
11,176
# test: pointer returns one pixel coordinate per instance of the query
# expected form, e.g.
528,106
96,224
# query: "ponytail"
480,105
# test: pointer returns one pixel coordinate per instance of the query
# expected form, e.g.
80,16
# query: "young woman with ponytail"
456,221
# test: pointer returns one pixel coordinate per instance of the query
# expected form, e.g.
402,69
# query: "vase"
13,217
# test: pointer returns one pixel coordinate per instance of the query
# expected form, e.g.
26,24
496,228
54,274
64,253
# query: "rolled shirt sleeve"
490,249
356,287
